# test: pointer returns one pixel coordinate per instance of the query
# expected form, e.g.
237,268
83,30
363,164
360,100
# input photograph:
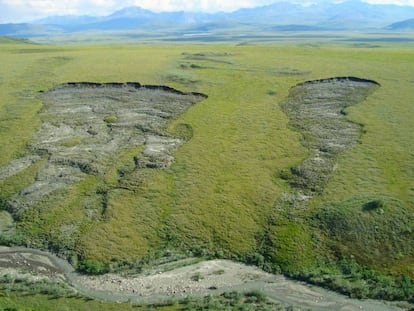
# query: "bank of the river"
202,278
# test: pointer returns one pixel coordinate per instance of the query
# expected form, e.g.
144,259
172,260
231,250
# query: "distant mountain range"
403,25
280,16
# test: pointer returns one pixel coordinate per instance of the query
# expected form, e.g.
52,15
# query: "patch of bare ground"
86,125
317,109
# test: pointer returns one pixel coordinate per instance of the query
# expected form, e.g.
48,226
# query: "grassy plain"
218,198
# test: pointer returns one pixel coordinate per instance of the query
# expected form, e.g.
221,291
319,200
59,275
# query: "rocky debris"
29,265
85,125
18,165
213,277
213,274
317,109
158,151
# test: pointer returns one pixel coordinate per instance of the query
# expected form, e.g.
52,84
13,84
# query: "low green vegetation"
254,300
20,294
89,266
10,285
349,277
39,302
72,142
227,194
374,230
110,119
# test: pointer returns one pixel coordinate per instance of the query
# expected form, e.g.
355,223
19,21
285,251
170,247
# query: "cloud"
198,5
33,9
39,8
24,10
397,2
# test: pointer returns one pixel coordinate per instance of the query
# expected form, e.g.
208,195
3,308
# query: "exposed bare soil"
317,109
86,125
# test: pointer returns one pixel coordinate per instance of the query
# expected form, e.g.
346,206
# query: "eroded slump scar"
85,125
317,109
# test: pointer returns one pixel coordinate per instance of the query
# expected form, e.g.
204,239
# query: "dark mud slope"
86,125
317,109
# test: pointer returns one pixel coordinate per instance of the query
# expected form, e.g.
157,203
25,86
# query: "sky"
27,10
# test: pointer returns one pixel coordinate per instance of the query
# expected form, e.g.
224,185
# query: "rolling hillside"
235,174
295,157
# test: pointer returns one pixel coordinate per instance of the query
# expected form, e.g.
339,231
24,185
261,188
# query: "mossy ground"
375,230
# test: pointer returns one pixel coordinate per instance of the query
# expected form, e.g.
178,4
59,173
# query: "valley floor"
199,279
